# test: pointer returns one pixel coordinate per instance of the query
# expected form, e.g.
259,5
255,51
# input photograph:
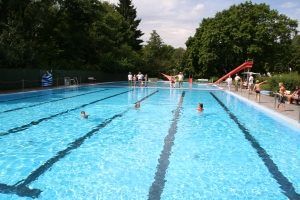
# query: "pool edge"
268,111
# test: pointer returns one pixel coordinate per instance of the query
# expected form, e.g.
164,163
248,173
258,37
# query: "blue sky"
176,20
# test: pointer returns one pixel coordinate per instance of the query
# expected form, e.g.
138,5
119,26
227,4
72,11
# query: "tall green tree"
152,52
243,31
65,34
127,10
294,62
159,57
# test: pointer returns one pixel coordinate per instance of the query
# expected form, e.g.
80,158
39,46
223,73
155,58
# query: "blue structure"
47,79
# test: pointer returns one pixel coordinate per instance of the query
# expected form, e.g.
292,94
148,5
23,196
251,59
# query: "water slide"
167,76
245,65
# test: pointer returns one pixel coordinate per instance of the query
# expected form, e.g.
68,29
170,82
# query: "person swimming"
84,115
137,105
200,107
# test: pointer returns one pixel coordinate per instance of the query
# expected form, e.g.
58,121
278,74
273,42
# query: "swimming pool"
164,150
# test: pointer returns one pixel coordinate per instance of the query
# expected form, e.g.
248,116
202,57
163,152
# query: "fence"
15,79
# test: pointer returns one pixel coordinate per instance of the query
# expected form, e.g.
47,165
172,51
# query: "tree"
127,10
159,57
177,60
64,34
78,34
243,31
152,52
294,62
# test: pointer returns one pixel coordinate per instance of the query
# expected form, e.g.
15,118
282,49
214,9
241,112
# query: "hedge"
290,81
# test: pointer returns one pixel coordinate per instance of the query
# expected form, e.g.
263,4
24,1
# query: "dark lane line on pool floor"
158,185
38,104
34,123
286,186
21,187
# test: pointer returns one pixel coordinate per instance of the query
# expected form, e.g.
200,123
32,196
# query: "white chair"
91,79
67,81
74,81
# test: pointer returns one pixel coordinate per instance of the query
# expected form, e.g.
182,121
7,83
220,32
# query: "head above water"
137,105
84,115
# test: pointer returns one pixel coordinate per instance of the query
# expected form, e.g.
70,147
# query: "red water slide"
167,76
245,65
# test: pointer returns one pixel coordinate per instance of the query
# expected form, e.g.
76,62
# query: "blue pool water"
164,150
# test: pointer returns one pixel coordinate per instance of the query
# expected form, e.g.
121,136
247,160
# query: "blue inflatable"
47,80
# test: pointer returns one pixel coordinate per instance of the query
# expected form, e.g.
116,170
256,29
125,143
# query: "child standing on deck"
281,96
257,89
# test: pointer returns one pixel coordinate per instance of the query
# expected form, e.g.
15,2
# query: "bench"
202,80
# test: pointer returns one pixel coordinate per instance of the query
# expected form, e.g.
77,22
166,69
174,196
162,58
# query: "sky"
176,20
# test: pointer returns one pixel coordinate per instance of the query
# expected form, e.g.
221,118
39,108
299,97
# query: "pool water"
165,149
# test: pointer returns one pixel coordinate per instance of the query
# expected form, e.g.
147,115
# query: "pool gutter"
56,88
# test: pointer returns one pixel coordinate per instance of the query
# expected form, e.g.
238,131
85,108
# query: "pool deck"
291,111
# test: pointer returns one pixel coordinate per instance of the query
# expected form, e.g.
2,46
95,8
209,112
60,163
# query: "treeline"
244,31
96,35
78,34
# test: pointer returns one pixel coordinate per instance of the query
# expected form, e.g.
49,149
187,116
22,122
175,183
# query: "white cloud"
289,5
176,20
170,32
111,1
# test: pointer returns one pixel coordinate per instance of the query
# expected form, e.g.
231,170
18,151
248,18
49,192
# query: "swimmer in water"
84,115
200,107
137,105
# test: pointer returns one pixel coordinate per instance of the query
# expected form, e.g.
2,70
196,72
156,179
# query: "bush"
266,86
290,80
213,79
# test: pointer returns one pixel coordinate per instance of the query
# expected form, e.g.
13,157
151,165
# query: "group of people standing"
141,80
282,94
247,83
137,79
240,83
179,77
